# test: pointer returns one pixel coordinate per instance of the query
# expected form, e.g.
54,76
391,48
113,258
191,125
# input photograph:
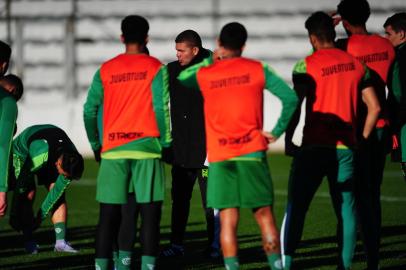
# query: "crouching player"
44,151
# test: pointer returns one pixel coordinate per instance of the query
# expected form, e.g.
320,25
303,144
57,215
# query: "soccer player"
8,116
5,54
44,151
232,88
395,29
188,146
329,79
132,88
378,54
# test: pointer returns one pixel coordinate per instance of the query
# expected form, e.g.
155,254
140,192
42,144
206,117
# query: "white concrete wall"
276,35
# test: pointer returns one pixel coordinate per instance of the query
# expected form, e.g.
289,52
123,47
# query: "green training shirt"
29,156
8,116
146,147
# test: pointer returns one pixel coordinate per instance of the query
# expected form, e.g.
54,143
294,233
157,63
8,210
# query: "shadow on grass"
312,253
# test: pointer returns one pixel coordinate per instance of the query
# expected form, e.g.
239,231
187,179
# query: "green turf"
317,251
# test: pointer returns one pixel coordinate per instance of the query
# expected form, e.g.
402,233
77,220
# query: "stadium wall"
39,38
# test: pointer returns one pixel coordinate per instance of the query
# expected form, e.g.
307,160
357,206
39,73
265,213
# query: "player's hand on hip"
269,137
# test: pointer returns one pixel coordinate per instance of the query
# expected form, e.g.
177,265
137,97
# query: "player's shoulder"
382,40
152,59
250,61
112,60
7,98
371,39
246,63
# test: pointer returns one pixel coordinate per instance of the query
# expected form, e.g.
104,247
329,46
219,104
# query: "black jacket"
188,132
397,110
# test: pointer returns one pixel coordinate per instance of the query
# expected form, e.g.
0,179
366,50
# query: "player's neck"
324,45
228,54
134,48
359,30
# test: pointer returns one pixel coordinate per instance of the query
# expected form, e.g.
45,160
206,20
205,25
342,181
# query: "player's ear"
3,67
346,24
243,48
195,50
218,43
146,40
403,35
313,40
122,39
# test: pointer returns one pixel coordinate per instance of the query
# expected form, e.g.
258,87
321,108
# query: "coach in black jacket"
188,153
395,28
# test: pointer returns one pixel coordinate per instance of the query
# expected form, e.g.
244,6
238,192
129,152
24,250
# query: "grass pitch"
318,249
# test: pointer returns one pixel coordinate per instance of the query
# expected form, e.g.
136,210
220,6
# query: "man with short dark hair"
5,54
188,146
232,88
132,90
12,84
377,54
395,29
330,80
8,117
45,152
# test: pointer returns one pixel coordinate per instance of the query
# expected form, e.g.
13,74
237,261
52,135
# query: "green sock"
148,262
102,264
231,263
60,229
274,261
124,260
287,262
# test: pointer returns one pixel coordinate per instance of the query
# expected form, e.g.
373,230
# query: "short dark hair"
356,12
397,22
191,37
321,25
134,29
233,36
5,52
72,163
17,83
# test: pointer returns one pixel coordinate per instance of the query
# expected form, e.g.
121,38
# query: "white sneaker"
64,247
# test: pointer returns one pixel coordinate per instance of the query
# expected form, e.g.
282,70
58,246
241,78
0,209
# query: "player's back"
378,54
332,102
233,96
373,50
128,112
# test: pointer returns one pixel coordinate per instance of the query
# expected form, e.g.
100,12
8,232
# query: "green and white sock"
274,261
102,264
115,258
287,262
124,260
60,230
231,263
148,262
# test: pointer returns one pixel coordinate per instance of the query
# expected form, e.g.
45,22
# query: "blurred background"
58,45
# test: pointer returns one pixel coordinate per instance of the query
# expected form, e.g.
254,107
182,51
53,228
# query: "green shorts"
402,136
117,177
239,183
